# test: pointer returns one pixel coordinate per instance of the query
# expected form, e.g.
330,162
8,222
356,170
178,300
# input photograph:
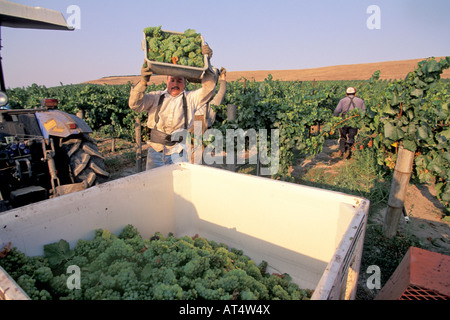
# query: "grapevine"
412,112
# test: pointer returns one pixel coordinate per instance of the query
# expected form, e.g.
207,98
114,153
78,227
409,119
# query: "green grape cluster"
131,267
184,49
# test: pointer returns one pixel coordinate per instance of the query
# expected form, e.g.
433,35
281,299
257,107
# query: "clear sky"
244,35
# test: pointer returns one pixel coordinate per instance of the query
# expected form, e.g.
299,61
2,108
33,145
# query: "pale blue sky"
244,35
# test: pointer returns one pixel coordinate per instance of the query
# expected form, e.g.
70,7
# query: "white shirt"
171,114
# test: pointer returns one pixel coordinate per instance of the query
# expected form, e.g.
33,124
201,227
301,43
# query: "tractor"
44,152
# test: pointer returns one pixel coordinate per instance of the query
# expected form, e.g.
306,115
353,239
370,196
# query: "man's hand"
146,73
223,74
207,50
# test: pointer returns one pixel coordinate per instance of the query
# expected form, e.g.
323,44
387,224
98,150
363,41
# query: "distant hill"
388,70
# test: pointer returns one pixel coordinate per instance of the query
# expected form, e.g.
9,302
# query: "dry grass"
388,70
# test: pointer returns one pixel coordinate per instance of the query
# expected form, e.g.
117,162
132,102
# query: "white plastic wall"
297,229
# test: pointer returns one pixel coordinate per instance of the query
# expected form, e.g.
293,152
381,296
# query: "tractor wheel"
86,163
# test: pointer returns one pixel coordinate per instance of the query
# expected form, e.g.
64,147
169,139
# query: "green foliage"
160,268
413,113
57,253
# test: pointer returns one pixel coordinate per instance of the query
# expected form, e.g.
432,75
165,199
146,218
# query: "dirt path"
424,213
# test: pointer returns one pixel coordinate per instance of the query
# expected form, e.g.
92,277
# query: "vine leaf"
57,252
410,145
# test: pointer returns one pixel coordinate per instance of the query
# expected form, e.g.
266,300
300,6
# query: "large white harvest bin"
314,235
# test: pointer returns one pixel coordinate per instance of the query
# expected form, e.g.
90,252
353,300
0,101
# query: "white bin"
314,235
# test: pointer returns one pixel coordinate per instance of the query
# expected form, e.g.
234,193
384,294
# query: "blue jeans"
158,159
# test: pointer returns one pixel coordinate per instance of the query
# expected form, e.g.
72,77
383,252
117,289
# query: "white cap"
351,90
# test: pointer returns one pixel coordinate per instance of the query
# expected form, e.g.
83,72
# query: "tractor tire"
86,163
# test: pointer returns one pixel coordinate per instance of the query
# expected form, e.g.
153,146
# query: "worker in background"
170,113
347,134
205,115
